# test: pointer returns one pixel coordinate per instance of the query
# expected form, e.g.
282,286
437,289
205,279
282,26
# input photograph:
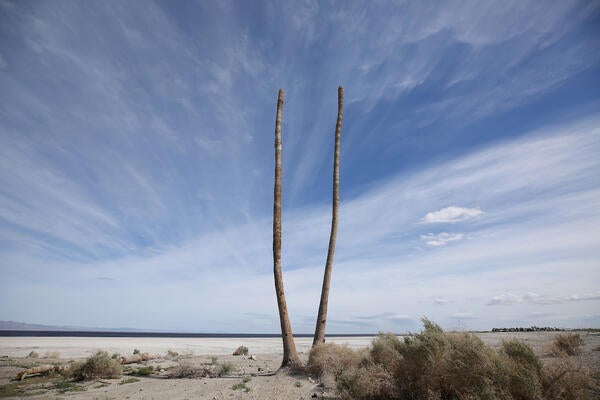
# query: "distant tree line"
530,329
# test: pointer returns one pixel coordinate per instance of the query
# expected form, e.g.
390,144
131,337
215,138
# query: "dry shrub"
100,365
241,351
566,379
569,344
523,368
447,366
33,354
52,354
328,360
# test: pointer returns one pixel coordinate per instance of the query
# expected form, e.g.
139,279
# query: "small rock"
259,369
311,380
314,396
253,357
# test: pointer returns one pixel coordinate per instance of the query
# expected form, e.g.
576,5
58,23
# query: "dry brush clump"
438,365
327,361
98,366
568,344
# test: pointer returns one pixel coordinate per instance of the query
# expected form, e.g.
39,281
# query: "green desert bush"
144,371
100,365
569,344
241,351
434,364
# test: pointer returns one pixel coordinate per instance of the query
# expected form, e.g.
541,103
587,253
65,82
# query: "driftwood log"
135,358
40,370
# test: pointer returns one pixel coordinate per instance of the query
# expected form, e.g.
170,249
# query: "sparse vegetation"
225,369
144,371
52,354
187,370
298,384
172,353
136,351
66,386
241,351
31,387
128,380
214,360
100,365
438,365
242,385
568,344
33,354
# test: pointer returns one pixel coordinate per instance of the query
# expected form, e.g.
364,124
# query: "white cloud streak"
441,239
451,215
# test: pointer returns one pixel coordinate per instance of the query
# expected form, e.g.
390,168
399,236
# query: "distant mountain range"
24,326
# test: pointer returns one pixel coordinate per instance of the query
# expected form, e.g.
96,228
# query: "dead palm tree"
322,315
290,355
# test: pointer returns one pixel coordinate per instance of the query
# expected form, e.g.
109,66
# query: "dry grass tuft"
447,366
100,365
569,344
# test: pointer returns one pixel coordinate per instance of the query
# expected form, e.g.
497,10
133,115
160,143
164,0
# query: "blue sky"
136,163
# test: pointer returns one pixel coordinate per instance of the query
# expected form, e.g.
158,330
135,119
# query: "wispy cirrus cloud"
380,264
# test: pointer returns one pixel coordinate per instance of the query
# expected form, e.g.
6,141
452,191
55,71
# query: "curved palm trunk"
322,316
290,355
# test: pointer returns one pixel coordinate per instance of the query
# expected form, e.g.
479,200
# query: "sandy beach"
79,347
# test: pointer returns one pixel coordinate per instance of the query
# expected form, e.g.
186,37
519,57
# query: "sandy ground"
77,347
200,352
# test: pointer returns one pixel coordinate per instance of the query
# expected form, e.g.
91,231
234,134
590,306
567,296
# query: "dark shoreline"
40,333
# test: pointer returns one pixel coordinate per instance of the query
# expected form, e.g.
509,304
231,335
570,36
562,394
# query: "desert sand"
261,382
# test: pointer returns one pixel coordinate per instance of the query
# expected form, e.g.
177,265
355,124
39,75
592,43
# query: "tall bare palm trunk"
290,355
322,316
